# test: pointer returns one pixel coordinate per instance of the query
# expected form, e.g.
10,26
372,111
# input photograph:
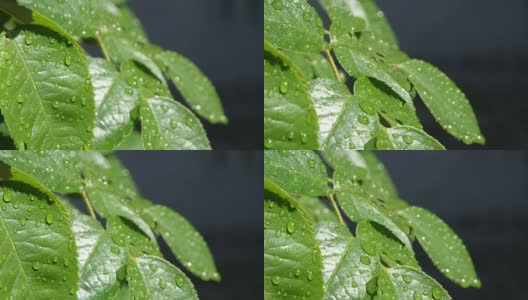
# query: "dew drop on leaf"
36,266
68,60
290,227
276,280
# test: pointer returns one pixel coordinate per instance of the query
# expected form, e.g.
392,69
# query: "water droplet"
309,275
363,120
304,138
283,87
162,284
365,260
36,266
407,139
7,196
276,280
311,163
29,39
290,227
417,295
66,262
307,16
20,99
354,284
437,293
115,250
49,218
189,121
173,124
68,60
407,278
55,104
277,4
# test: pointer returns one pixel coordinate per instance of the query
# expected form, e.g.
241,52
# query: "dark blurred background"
225,39
483,46
220,193
483,196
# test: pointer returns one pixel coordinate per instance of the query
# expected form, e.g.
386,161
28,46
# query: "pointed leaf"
57,170
334,239
444,247
404,282
349,163
290,247
127,233
358,62
293,25
352,273
385,101
359,206
290,121
168,125
403,137
101,258
46,101
153,277
345,121
445,100
194,86
185,242
298,172
36,243
115,100
385,242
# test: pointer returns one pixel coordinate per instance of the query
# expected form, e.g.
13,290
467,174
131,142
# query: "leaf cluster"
310,251
54,96
51,250
362,101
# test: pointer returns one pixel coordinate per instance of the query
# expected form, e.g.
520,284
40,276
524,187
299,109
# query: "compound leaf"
115,101
401,137
297,172
445,100
152,277
290,247
184,241
38,255
45,99
194,86
405,282
356,268
290,120
166,124
444,247
293,26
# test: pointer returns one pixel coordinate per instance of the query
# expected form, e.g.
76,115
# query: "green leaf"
115,101
345,121
166,124
293,25
36,243
127,233
194,86
75,16
403,137
184,241
378,181
101,256
133,142
444,247
359,205
290,120
297,172
46,100
368,11
290,247
334,238
347,162
445,100
120,20
358,62
121,49
385,243
57,170
317,211
152,277
386,102
404,282
353,271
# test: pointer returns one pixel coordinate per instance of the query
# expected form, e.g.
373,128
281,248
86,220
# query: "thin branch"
336,209
88,204
333,64
103,47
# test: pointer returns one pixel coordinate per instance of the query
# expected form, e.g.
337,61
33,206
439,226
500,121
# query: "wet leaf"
403,137
404,282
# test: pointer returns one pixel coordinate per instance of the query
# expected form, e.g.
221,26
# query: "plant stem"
103,47
88,204
336,209
333,64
